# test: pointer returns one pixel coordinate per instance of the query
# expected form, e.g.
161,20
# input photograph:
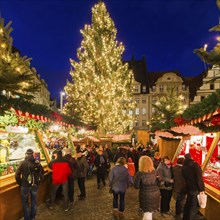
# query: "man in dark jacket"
179,187
192,174
101,165
82,170
24,178
72,177
61,171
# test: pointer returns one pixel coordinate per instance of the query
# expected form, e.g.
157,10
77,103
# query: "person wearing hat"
101,166
27,187
72,177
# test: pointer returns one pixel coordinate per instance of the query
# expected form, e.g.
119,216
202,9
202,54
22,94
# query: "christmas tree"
211,57
101,89
166,109
16,76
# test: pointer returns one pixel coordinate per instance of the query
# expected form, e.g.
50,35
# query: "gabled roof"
139,69
154,76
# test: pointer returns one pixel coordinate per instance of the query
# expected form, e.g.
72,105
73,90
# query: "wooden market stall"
90,140
204,148
14,141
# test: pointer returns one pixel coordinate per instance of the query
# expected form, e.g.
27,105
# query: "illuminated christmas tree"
101,89
166,109
16,76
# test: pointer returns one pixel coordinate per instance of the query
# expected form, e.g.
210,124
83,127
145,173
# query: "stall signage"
16,129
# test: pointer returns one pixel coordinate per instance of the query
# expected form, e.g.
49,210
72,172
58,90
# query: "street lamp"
61,100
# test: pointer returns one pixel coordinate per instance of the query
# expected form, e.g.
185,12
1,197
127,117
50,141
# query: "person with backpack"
28,176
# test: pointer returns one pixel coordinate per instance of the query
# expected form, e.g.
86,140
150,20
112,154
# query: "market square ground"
96,206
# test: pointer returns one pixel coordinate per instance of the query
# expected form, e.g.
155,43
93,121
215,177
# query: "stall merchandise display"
13,145
199,146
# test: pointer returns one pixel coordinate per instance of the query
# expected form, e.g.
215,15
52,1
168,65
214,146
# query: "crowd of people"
156,178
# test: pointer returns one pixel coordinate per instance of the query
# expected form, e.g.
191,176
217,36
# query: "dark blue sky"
165,31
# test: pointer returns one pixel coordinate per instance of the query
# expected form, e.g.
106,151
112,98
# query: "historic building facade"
149,86
41,97
210,83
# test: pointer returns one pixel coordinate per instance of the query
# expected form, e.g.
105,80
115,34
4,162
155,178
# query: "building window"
183,87
136,123
161,88
136,88
137,111
144,111
130,112
143,100
143,122
154,99
153,88
153,110
144,89
212,86
137,100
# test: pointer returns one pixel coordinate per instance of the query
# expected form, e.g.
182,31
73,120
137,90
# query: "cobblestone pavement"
96,206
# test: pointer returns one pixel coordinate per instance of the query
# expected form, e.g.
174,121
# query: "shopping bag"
202,199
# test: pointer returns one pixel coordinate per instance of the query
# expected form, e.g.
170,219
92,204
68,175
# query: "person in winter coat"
101,166
192,174
61,170
21,177
119,180
164,171
179,187
83,167
131,169
145,181
72,177
156,159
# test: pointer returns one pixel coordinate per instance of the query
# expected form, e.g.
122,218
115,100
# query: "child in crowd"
131,169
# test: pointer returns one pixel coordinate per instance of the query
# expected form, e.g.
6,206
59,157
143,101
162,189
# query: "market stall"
204,148
20,131
14,141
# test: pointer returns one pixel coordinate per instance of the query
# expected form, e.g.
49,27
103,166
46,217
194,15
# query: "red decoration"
215,120
179,121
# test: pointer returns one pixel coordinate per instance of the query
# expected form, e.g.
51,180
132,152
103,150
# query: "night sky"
165,31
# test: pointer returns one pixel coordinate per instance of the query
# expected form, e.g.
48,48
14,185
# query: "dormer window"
136,89
144,88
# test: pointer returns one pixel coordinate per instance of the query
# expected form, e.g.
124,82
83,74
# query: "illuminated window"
144,111
136,89
161,88
144,89
137,111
